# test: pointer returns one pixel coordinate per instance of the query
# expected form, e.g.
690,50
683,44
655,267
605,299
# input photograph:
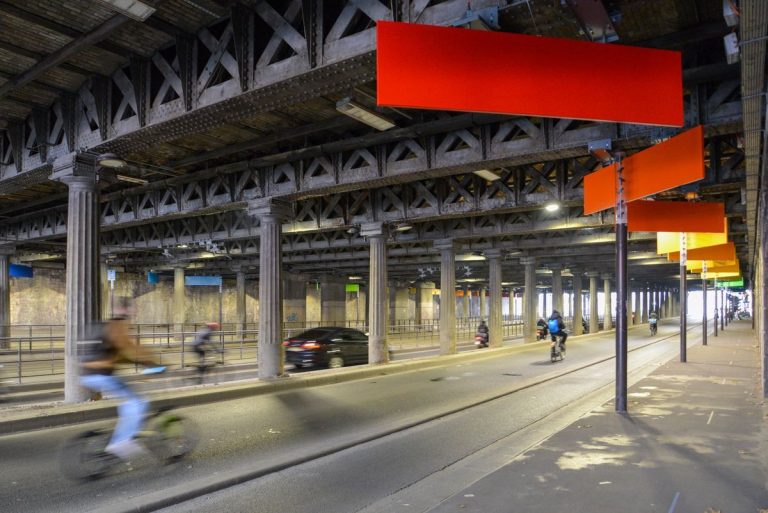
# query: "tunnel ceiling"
216,102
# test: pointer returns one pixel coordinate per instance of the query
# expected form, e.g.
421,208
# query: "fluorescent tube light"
360,113
487,174
131,179
134,9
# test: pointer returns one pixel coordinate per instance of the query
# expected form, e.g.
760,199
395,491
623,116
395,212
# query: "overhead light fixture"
403,227
111,161
134,9
552,207
355,277
691,196
356,111
353,230
182,246
487,174
132,179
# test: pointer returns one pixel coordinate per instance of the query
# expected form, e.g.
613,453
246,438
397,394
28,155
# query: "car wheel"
335,361
298,365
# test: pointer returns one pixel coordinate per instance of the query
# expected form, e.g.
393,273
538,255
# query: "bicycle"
166,434
210,360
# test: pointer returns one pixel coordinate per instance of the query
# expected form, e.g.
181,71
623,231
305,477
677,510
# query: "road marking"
674,503
711,414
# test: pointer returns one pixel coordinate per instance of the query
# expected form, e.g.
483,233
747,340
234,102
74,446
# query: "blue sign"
20,271
153,278
111,275
197,281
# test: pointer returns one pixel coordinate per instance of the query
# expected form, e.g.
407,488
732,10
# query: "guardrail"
32,351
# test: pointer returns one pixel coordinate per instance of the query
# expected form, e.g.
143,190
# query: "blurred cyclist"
202,344
113,345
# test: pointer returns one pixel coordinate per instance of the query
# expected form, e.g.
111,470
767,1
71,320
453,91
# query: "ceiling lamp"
356,111
552,206
131,179
487,174
111,161
134,9
403,227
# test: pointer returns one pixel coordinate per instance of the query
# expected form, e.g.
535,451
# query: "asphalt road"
292,429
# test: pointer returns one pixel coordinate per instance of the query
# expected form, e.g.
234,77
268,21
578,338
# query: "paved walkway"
694,440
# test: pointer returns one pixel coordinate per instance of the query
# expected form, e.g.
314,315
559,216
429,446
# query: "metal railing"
33,351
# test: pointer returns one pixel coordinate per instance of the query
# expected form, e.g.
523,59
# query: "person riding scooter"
653,321
481,336
556,327
541,329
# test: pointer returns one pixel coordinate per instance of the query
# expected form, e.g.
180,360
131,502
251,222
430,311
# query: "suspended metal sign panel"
429,67
202,281
20,271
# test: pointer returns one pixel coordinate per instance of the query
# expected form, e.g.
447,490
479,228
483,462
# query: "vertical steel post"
715,285
722,309
621,293
683,298
704,321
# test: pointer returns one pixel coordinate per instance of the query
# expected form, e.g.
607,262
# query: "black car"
329,347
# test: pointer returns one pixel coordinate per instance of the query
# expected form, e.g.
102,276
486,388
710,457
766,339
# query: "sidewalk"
694,440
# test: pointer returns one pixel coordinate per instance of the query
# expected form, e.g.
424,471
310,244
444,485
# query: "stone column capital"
75,169
606,276
493,253
266,208
7,250
376,229
555,267
593,274
528,260
444,245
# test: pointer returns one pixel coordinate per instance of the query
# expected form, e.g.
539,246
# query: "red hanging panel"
674,216
429,67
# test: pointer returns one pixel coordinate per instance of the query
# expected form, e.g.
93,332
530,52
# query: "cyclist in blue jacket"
556,327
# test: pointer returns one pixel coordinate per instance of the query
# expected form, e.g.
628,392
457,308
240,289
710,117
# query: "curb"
34,419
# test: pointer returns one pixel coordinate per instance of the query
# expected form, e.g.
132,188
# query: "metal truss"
212,204
272,55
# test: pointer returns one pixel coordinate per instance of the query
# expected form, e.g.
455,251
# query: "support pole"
530,303
378,304
5,298
447,296
271,214
495,328
722,309
683,299
621,294
704,301
578,328
715,318
594,323
78,172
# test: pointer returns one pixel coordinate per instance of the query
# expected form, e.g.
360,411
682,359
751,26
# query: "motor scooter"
653,325
481,340
541,332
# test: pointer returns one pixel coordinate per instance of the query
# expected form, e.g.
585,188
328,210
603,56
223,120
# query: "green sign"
730,284
353,287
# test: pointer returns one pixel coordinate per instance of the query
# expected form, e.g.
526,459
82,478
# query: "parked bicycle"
165,433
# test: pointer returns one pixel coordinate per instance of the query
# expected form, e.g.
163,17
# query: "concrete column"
402,304
646,295
240,315
333,297
594,324
295,302
104,281
179,307
447,295
466,300
271,214
426,302
608,315
495,328
378,305
5,298
83,302
638,307
484,312
578,329
557,289
530,298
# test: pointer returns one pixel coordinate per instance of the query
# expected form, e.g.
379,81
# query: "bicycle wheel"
83,458
172,436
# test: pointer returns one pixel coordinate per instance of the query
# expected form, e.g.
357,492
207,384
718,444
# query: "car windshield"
313,334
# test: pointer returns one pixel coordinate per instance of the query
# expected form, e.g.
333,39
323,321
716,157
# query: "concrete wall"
41,300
